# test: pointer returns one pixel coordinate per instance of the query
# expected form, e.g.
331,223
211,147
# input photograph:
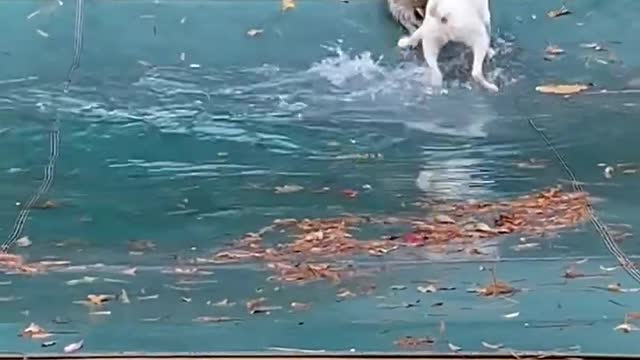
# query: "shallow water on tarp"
187,154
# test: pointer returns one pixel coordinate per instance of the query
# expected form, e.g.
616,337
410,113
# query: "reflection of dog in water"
464,21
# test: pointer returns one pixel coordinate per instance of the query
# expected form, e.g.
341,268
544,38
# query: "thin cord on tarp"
54,137
49,170
608,240
77,42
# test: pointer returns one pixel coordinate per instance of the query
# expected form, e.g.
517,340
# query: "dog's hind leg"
431,50
486,19
480,49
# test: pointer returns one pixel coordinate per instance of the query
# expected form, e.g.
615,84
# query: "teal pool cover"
149,146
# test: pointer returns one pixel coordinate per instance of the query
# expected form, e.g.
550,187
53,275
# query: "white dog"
465,21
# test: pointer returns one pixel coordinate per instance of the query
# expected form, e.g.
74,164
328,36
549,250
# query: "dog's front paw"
404,42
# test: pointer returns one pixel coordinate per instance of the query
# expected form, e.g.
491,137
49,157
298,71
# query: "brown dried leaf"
614,287
496,287
411,342
557,13
572,273
553,50
98,299
444,219
49,204
557,89
254,303
287,5
34,331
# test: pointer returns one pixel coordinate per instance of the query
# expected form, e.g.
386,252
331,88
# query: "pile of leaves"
317,243
15,263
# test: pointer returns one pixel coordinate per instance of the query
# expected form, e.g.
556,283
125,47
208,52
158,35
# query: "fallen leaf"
23,242
557,13
608,269
345,293
444,219
254,303
100,313
213,319
34,330
633,316
124,298
496,287
116,281
42,33
411,342
625,328
287,5
593,46
427,289
84,280
561,89
492,346
403,305
511,315
351,194
608,172
572,273
614,287
131,271
254,32
73,347
526,246
222,303
481,227
49,204
533,164
298,306
99,299
413,239
554,50
264,309
288,189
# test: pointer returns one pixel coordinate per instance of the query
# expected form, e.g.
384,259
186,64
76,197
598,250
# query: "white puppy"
465,21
